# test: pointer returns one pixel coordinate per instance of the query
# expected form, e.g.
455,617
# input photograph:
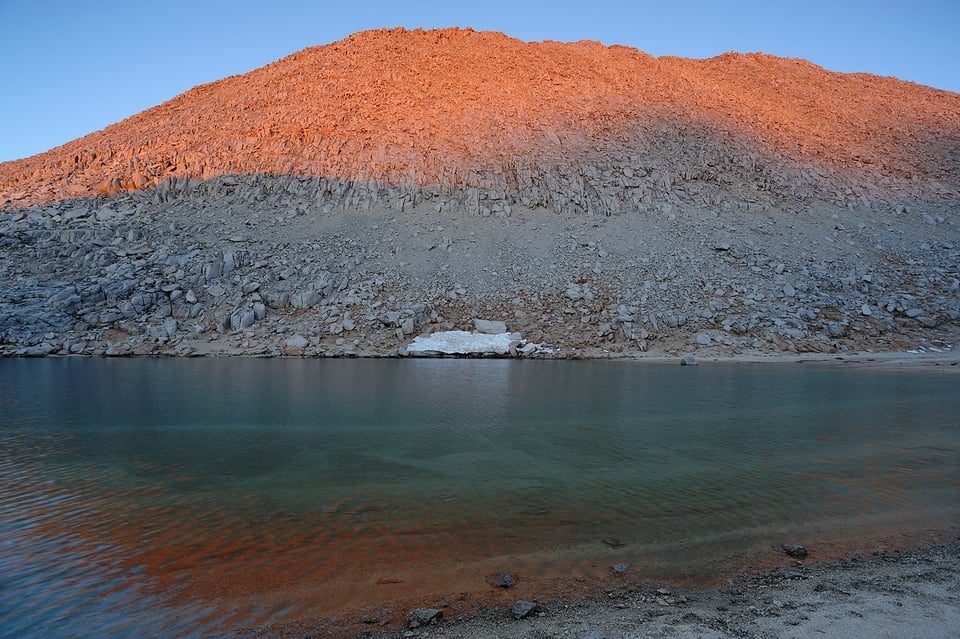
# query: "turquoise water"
200,497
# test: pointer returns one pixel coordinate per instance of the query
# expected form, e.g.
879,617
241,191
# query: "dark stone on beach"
613,542
794,550
523,609
424,617
619,569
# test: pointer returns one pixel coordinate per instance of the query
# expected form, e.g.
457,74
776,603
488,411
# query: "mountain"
597,200
451,110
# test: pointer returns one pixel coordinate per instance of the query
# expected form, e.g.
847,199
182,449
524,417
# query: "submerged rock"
504,580
794,550
424,617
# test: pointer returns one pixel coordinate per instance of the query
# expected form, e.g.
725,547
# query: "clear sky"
68,68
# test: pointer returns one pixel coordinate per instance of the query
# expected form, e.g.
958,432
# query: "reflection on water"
200,496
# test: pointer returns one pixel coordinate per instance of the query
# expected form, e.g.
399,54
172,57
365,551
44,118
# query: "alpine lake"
227,497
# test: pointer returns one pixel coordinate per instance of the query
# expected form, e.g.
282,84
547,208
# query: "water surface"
195,497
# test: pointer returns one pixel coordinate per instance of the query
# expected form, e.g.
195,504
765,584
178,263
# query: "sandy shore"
882,593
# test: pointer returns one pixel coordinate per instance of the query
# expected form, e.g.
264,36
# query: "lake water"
214,497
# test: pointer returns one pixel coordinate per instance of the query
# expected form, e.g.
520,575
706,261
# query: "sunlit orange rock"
457,109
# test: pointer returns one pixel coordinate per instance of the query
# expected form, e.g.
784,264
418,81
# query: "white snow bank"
463,343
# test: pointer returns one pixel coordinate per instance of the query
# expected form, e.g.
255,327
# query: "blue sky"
70,68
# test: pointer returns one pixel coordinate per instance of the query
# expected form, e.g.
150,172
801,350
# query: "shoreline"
944,360
914,592
886,591
859,359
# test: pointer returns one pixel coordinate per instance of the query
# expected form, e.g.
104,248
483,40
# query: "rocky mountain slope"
596,199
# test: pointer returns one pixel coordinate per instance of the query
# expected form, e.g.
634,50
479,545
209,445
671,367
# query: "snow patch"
464,343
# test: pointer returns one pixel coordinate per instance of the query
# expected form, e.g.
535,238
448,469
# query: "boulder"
489,327
528,349
296,342
170,326
304,299
276,299
835,329
241,319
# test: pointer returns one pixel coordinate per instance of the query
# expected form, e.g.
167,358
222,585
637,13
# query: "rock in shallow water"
794,550
424,617
504,580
